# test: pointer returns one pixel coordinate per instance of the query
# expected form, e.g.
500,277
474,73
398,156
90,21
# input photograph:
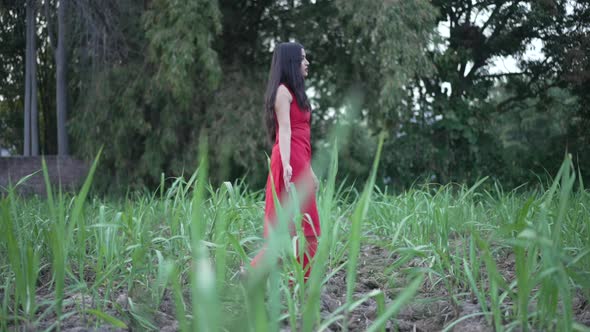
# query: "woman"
288,115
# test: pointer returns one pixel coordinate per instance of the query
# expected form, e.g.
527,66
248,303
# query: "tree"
161,101
347,60
28,55
448,133
31,127
566,38
61,77
59,44
158,77
13,34
153,96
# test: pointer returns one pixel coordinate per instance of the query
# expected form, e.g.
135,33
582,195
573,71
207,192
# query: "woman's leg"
311,244
259,257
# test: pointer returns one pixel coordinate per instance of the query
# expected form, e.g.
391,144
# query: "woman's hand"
287,175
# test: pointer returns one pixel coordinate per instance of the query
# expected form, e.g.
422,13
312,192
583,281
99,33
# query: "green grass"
185,243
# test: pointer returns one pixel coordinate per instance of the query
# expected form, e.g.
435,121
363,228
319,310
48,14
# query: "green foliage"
179,36
11,126
386,57
161,101
147,79
149,100
463,122
235,128
534,133
12,83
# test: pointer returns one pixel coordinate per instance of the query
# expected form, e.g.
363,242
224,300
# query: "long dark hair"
286,69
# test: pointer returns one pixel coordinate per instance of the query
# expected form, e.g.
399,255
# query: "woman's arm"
283,110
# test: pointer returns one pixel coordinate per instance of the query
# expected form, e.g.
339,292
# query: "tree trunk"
28,62
33,82
61,83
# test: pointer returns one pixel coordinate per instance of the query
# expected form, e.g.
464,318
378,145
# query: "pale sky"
500,64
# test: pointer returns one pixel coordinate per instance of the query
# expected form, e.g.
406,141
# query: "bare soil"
433,308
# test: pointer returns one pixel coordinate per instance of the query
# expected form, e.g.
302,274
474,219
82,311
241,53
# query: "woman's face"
304,64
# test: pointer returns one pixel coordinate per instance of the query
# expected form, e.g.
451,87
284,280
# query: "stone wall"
68,171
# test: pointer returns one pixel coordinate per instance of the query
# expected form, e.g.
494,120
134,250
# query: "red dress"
302,177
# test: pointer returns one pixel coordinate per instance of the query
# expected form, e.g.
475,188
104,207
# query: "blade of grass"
107,318
404,297
205,303
355,230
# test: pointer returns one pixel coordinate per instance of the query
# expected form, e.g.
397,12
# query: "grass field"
452,258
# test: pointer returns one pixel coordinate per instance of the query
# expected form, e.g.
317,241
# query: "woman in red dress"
288,115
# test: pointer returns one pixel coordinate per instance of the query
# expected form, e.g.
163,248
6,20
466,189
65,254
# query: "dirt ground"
431,310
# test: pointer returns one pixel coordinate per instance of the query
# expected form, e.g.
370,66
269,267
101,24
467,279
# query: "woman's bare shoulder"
283,93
